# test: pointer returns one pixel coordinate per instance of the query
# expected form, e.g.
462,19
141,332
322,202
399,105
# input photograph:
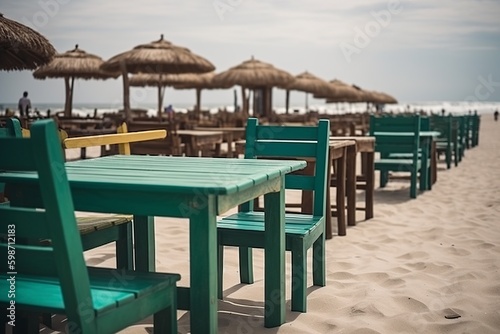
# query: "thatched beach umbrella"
178,81
73,64
154,80
254,74
199,82
160,57
22,48
308,83
343,92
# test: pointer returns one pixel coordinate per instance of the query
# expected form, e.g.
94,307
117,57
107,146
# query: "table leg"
230,140
203,268
351,185
370,184
274,282
433,162
144,236
341,181
328,213
424,168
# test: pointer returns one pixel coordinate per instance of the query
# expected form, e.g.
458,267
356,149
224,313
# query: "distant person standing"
495,115
24,105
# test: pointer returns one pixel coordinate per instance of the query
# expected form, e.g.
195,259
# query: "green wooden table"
194,188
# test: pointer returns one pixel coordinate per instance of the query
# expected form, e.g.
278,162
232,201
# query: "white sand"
401,272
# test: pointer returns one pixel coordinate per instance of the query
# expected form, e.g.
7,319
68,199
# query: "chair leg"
448,158
299,278
246,265
47,319
384,176
318,265
26,323
165,321
220,271
413,184
124,251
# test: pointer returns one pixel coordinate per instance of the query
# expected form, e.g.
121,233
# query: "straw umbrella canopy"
22,48
178,81
343,92
73,64
199,82
160,57
254,74
308,83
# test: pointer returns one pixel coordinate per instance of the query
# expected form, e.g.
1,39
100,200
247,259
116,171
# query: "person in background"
24,105
495,115
169,110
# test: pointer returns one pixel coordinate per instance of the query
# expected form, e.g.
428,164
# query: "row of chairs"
404,143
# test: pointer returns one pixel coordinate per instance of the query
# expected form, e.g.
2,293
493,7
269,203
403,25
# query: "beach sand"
416,263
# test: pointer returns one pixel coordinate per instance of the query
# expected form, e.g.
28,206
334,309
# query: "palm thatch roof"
21,47
254,74
257,75
343,92
308,83
159,56
73,64
196,81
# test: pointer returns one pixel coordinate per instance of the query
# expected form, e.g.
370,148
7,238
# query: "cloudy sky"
426,50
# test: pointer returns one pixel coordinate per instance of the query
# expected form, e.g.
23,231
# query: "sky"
426,50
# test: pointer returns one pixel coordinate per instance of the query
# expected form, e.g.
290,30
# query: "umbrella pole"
66,102
198,101
244,97
287,101
71,96
235,100
126,93
307,104
160,99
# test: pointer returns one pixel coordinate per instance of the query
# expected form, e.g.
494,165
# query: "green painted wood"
274,257
446,137
55,278
203,241
145,258
401,134
118,225
33,224
246,228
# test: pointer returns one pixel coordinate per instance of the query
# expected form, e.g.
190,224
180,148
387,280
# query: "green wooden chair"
475,125
95,231
303,231
390,144
12,129
445,143
55,278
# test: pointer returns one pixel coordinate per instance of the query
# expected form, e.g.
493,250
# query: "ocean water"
456,108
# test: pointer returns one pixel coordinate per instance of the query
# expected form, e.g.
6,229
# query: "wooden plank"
117,138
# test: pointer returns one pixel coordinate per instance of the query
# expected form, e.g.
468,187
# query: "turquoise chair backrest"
443,125
54,220
391,142
12,129
294,142
394,123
